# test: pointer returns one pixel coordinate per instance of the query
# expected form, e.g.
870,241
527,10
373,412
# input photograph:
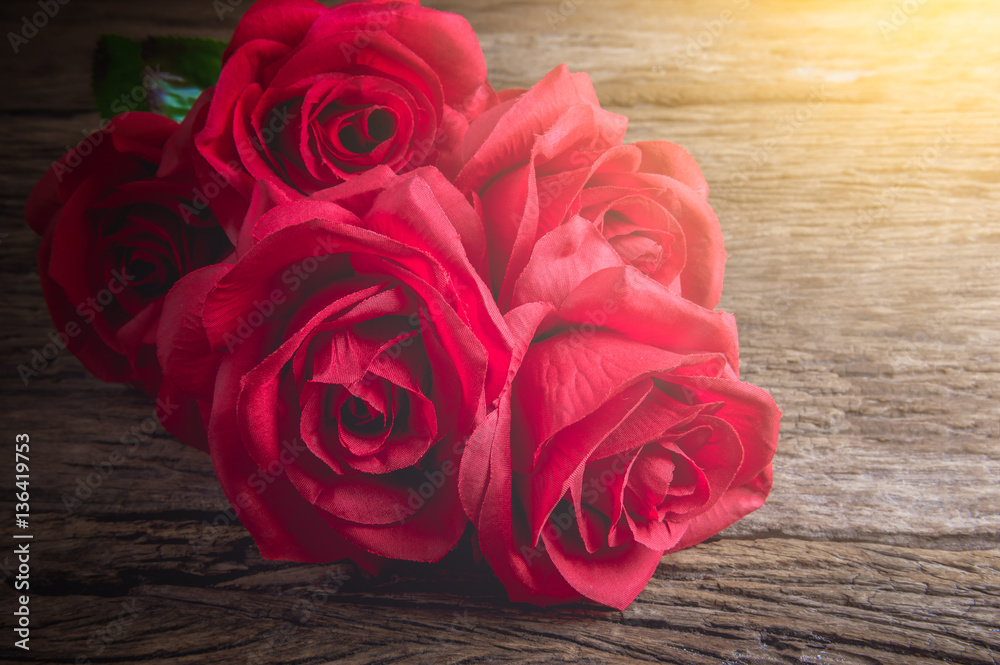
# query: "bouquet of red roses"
389,300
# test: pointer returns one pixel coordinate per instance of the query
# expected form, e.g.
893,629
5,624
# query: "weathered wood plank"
855,170
768,600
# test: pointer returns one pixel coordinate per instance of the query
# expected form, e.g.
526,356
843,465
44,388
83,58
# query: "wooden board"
853,152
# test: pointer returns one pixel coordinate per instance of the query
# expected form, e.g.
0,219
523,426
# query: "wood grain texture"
856,170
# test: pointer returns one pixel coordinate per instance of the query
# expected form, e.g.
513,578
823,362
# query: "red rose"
650,201
625,432
551,153
556,127
116,237
345,356
311,96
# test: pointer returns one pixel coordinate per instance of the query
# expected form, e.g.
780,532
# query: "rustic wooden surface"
853,150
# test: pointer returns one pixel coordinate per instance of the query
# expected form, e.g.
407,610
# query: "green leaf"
117,76
160,74
181,68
